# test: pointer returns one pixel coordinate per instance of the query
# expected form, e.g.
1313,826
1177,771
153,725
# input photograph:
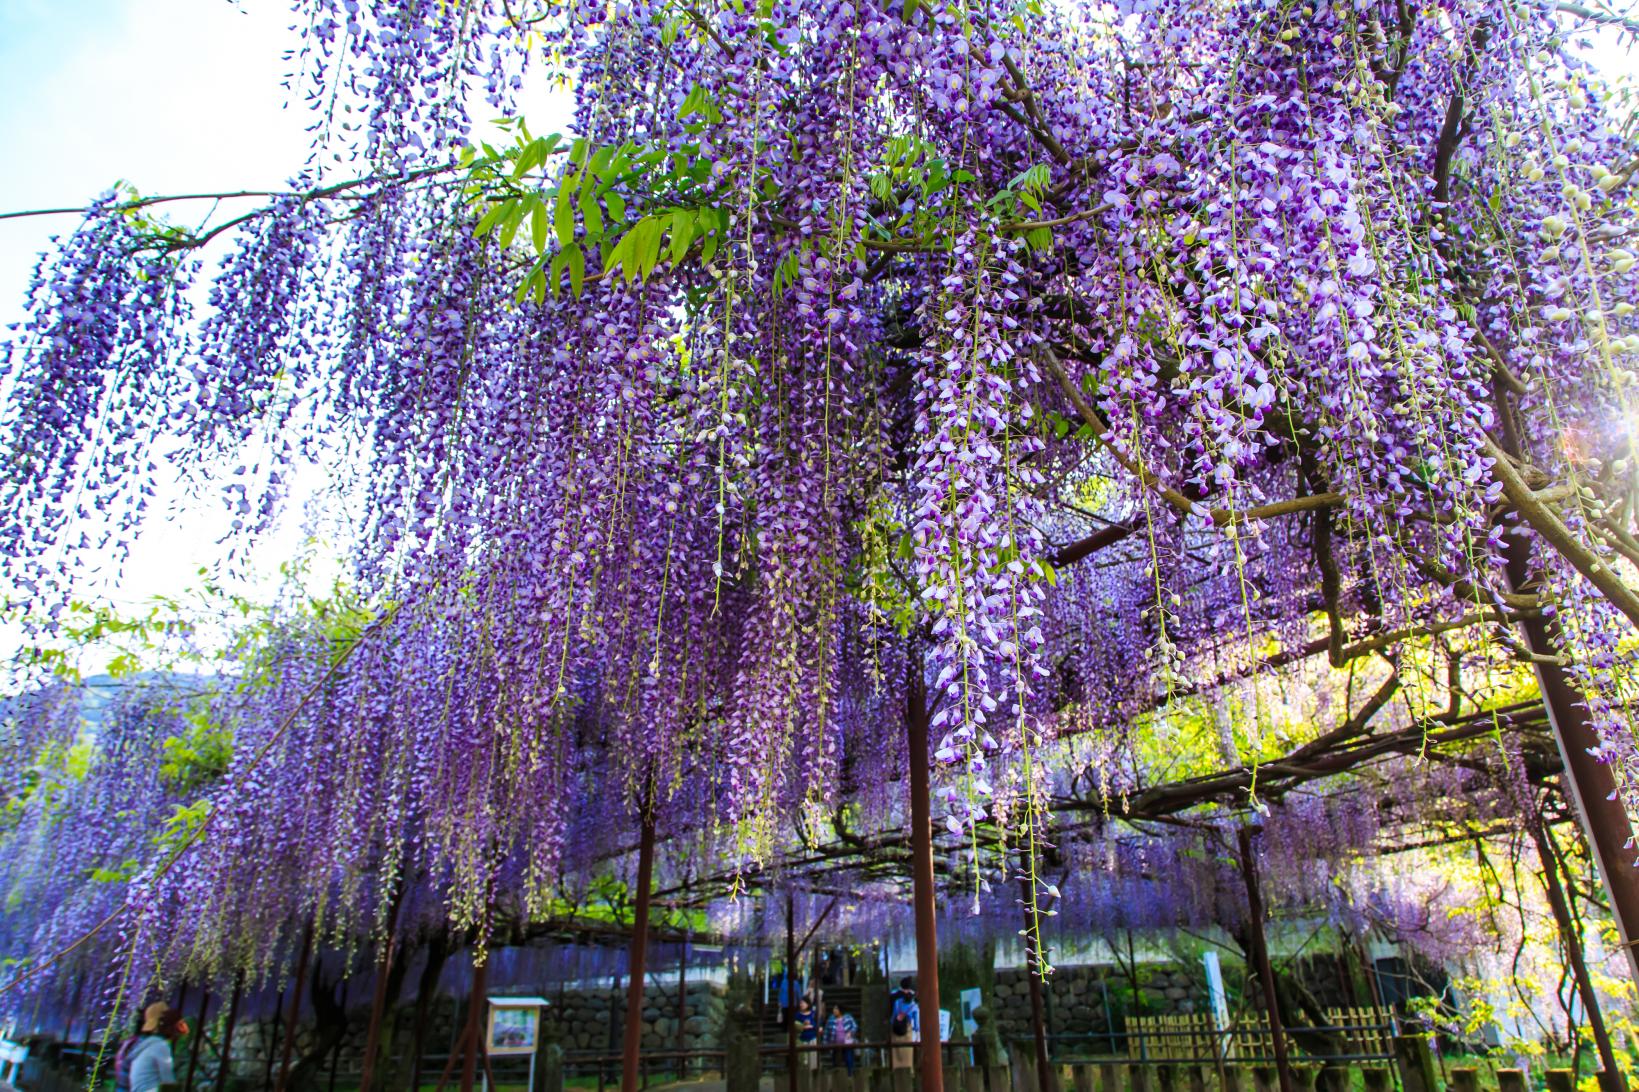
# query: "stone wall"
593,1019
1081,1001
582,1024
1084,1000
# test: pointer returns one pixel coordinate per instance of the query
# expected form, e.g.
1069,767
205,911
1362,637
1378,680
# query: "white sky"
173,96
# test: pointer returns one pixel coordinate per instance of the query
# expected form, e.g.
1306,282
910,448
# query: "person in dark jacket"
905,1024
808,1031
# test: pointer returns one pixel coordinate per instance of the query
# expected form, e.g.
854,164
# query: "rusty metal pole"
1610,1078
631,1036
1260,957
1588,782
927,937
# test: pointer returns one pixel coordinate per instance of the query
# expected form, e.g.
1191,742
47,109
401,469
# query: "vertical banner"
1219,1000
971,999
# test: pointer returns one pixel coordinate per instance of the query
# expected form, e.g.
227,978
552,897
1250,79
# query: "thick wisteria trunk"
335,1064
1259,945
927,937
1046,1079
631,1036
278,1017
438,951
198,1035
790,989
295,1009
473,1038
224,1067
1589,783
1610,1077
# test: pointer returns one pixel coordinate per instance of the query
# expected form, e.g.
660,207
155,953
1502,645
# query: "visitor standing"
841,1032
905,1024
808,1032
145,1062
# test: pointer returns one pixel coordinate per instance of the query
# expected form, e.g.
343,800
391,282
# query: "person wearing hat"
145,1061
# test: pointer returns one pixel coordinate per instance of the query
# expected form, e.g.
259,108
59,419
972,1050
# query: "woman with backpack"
143,1062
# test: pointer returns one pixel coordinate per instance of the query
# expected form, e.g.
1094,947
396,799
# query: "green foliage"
1061,427
121,873
966,966
609,900
880,576
198,756
584,206
909,186
638,208
129,641
44,780
182,828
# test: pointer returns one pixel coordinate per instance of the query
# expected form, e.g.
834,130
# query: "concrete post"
1416,1063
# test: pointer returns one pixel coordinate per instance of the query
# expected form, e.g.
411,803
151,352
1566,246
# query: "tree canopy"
1070,360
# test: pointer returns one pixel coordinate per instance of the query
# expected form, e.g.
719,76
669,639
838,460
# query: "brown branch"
1104,536
1032,225
1355,726
1546,522
1235,784
1451,129
1226,516
1432,629
316,194
1101,432
1222,517
1499,363
1038,123
1602,18
1445,151
1331,587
